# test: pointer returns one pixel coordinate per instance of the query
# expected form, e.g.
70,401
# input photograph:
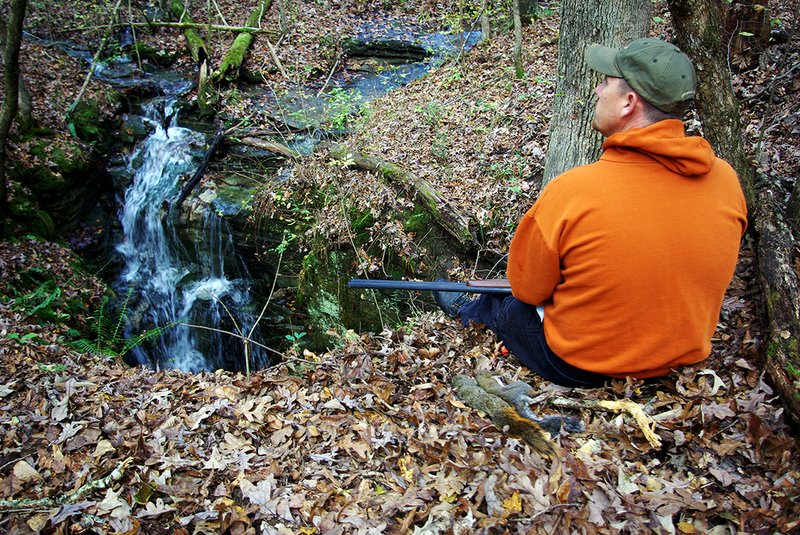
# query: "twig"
768,112
133,32
47,503
328,79
240,336
645,423
94,60
264,308
277,60
221,16
181,25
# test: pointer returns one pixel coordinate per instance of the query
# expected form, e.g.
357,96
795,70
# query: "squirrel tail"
529,430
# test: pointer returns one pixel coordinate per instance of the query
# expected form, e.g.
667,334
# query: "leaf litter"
369,437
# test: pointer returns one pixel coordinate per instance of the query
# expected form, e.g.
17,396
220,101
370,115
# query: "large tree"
698,26
10,106
608,22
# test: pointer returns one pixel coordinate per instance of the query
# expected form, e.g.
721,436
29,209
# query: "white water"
176,284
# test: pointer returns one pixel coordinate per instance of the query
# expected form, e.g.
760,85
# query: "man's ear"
632,100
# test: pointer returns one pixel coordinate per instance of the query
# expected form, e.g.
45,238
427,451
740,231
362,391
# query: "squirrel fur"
503,415
519,395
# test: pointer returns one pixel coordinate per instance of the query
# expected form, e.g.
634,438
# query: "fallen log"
442,210
779,282
233,59
270,146
181,26
195,43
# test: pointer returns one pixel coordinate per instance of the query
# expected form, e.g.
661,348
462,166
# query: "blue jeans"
518,325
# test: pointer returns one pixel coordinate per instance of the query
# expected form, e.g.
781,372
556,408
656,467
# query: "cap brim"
601,59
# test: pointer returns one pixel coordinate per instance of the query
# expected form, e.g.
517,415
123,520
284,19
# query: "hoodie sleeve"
533,261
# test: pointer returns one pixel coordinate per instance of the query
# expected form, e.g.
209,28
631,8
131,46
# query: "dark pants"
518,325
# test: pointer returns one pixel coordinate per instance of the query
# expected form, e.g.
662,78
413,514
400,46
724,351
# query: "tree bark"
271,146
519,69
8,111
232,62
698,25
778,278
611,23
440,208
24,117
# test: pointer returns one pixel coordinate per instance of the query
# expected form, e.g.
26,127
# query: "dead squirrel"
509,409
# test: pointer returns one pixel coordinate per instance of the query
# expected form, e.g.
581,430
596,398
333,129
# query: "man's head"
658,71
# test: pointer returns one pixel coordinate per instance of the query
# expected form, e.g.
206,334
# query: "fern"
109,335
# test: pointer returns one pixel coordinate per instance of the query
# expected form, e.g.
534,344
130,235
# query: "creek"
196,292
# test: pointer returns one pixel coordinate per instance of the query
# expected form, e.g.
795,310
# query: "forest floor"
369,437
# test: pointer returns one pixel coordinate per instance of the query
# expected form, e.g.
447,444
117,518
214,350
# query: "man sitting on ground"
628,257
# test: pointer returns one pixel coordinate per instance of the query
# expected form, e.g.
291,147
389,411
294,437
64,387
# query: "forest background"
367,436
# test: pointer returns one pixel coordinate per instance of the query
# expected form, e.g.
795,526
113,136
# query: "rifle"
488,286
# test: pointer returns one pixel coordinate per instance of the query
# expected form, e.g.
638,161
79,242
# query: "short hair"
651,112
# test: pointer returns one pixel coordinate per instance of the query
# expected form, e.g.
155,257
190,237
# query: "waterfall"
194,290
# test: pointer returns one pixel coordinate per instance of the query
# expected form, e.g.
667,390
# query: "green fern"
44,302
109,339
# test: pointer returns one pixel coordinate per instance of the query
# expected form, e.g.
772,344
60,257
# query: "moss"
55,166
85,122
162,58
417,220
31,220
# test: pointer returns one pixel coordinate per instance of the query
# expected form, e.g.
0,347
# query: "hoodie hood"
666,142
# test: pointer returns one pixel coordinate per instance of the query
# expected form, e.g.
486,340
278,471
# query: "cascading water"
196,291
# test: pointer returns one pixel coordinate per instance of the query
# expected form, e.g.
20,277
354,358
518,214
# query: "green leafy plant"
109,339
44,302
23,339
295,338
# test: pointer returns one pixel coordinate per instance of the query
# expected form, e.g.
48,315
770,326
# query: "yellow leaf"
686,527
456,403
104,446
307,530
513,504
406,466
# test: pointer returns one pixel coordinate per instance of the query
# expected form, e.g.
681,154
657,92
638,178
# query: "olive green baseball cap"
657,70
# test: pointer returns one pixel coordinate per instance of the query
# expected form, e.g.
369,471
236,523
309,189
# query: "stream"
196,296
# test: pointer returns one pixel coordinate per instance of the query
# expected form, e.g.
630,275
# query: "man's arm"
533,263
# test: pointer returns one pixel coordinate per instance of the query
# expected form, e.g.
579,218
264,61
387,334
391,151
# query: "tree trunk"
8,111
232,62
25,112
519,69
486,25
778,277
611,23
698,25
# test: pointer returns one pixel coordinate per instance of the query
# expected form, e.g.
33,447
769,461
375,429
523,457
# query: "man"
628,257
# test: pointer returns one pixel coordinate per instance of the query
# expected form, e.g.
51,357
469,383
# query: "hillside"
368,436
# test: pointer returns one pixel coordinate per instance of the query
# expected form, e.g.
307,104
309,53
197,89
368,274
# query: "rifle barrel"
437,286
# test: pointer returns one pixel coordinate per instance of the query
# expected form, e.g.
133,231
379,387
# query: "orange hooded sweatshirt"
631,255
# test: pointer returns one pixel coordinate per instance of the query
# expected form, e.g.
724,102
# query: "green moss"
31,220
417,220
793,370
86,123
360,223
